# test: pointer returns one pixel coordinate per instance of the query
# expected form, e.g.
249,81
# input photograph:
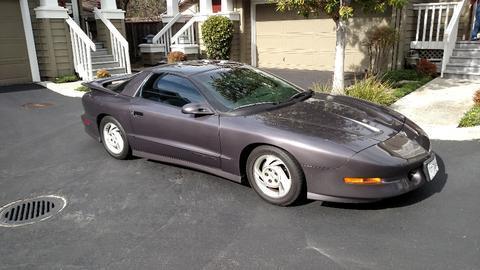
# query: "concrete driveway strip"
438,107
141,214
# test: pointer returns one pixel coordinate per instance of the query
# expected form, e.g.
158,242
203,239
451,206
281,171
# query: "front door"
160,127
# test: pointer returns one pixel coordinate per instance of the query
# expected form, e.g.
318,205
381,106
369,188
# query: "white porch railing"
186,34
163,37
118,42
450,36
82,47
432,22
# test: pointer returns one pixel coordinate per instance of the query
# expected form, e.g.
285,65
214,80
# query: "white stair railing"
186,34
82,47
432,22
163,37
118,42
451,33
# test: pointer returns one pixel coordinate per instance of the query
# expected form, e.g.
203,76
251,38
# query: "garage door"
287,40
14,64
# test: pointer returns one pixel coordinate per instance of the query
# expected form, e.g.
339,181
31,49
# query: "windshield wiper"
255,104
303,94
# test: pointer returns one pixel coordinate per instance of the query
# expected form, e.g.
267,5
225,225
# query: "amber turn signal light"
362,181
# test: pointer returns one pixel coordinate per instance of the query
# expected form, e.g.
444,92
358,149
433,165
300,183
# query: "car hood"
351,122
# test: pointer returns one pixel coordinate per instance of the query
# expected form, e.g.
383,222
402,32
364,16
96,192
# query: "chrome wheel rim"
112,137
272,176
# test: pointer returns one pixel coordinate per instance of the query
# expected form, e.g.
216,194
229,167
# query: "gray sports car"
239,122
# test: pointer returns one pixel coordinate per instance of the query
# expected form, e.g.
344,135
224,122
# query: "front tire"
275,175
114,138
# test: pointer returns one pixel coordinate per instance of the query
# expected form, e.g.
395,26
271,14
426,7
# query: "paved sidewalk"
438,107
66,89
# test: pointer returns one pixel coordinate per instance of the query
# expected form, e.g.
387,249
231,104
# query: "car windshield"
238,87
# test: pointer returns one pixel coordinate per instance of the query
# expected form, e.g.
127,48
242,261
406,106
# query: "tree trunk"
338,74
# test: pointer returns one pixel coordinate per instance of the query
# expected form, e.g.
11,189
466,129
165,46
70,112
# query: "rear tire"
114,138
275,175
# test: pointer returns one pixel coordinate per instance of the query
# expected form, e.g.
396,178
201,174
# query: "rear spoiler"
101,84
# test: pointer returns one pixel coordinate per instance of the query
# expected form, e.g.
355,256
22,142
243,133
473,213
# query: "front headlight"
403,147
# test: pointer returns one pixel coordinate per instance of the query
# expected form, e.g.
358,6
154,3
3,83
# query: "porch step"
104,64
458,68
100,52
467,45
112,70
448,74
102,58
99,45
464,61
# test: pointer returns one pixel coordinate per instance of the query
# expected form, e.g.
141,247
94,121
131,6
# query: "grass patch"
66,78
409,87
82,89
394,76
471,118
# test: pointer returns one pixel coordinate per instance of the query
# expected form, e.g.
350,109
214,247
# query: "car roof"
189,68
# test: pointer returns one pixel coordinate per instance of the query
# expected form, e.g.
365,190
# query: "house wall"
52,43
244,36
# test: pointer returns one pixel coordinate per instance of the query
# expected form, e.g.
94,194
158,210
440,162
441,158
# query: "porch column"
227,6
172,7
50,9
110,11
206,7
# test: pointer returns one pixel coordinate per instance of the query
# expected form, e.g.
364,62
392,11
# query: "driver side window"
171,89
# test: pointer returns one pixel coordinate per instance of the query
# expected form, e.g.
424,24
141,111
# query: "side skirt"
188,164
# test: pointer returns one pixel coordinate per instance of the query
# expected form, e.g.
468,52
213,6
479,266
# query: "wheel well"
244,156
99,119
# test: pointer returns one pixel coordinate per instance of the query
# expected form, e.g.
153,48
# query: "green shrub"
82,89
394,76
66,78
373,90
471,118
217,34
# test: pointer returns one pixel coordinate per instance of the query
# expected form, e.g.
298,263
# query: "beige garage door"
14,65
286,40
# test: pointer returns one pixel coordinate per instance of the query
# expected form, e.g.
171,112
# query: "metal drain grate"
29,211
31,105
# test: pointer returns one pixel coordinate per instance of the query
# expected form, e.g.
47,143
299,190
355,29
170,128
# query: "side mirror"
196,109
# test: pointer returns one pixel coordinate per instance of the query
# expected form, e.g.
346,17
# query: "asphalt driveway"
141,214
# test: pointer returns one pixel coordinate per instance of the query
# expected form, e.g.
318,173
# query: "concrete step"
471,45
100,52
466,52
456,68
102,58
456,75
99,45
105,64
464,61
112,71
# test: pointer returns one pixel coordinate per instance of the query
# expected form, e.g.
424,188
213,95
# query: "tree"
340,11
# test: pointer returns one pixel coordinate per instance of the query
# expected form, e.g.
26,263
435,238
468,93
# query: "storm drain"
31,105
32,210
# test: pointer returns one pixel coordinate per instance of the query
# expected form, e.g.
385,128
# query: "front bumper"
407,178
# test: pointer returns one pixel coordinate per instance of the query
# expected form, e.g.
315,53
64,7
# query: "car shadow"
406,199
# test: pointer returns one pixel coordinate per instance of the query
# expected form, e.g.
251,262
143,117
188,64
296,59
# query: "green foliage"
334,9
66,78
409,87
379,42
82,89
322,88
398,75
373,90
471,118
217,32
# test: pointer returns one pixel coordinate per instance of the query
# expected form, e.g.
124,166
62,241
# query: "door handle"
137,113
